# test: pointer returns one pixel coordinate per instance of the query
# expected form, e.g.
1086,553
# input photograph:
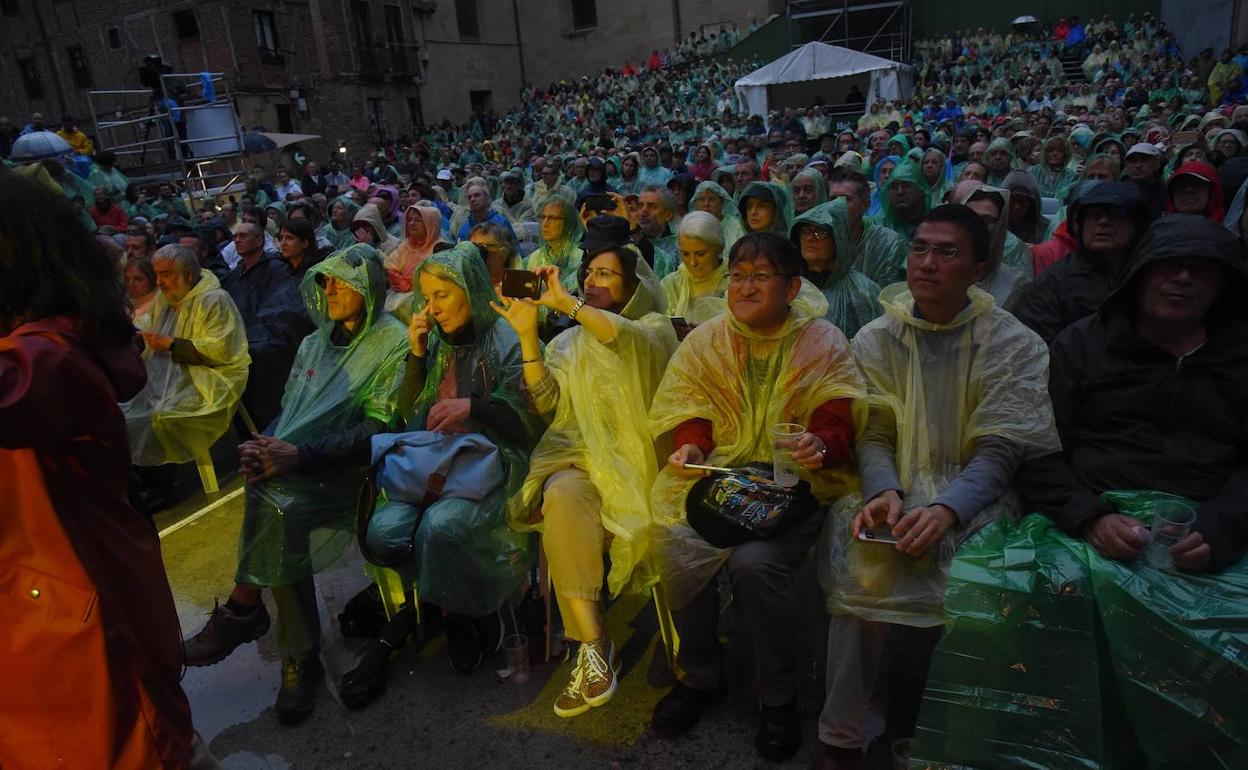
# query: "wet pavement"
430,716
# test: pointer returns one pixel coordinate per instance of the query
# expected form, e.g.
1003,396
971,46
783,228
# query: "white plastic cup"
516,649
784,468
1172,521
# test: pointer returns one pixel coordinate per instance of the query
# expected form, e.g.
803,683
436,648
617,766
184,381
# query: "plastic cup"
783,439
1172,521
516,649
901,754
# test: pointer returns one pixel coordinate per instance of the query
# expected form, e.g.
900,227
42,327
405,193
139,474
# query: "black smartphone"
521,284
599,203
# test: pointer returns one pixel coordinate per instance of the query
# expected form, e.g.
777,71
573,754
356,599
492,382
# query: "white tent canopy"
820,67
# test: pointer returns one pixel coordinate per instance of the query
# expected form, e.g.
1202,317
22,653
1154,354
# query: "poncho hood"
360,267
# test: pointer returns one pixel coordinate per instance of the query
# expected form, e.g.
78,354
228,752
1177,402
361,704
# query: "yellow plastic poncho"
944,387
599,425
678,291
744,383
184,409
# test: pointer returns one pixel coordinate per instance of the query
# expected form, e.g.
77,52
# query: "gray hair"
182,256
665,195
703,226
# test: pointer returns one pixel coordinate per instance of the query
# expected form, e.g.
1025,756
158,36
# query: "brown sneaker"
599,669
223,633
571,702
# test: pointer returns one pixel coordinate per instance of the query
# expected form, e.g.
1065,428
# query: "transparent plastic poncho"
599,425
852,297
744,383
564,251
944,387
184,409
729,215
298,524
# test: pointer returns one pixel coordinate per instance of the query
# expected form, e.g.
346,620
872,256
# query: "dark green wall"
769,42
938,17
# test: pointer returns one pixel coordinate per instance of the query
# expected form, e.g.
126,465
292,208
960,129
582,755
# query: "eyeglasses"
812,234
599,274
945,253
738,278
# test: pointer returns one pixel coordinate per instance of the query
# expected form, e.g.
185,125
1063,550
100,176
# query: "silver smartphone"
883,536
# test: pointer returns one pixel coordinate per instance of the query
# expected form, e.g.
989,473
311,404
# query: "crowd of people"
1006,295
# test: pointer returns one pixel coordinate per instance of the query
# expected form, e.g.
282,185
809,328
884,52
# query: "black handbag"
728,509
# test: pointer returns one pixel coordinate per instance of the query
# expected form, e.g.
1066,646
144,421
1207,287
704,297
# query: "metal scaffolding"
880,27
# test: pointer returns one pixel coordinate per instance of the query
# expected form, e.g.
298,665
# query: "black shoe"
298,692
367,681
659,673
779,732
490,630
463,641
681,709
224,632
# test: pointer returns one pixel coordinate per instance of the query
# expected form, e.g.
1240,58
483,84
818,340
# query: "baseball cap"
444,174
1144,148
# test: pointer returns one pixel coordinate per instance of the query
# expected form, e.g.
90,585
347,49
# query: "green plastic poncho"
1000,143
779,196
466,559
941,388
821,186
300,523
852,297
599,426
906,171
340,239
1054,183
1004,281
184,409
729,214
113,181
564,252
743,383
881,254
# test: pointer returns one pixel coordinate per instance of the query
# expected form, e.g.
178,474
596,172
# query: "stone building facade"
357,72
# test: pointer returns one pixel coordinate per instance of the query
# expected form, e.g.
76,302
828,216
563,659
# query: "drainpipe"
47,49
676,21
515,15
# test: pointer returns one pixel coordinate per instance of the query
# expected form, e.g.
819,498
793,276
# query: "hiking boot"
779,732
597,660
224,632
680,709
571,702
367,681
463,641
298,692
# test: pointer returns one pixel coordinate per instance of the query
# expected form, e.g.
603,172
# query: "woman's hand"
809,451
521,314
159,343
554,296
689,453
418,331
447,413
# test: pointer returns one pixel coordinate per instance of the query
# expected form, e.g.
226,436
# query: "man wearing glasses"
958,397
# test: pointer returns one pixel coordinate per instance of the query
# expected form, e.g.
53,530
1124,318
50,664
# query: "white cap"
1145,148
444,173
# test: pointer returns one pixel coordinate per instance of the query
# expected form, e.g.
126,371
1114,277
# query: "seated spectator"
823,239
999,160
695,290
422,231
140,280
717,201
196,357
139,243
1025,221
765,207
658,211
479,209
1043,255
337,228
267,298
498,247
590,474
809,189
463,377
879,253
1106,222
1150,393
1053,173
720,413
559,236
304,472
512,198
1142,165
1194,188
105,213
1004,282
904,198
297,244
370,230
931,476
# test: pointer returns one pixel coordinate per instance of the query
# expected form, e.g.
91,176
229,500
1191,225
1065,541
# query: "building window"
114,38
466,16
266,31
363,24
79,68
186,24
584,14
481,102
30,78
395,39
9,7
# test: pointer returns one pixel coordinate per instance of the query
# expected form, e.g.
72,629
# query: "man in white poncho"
958,397
590,473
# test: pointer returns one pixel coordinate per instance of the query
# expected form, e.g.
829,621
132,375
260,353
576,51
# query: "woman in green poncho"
938,174
463,377
559,236
304,474
766,207
337,229
717,201
1053,172
822,236
588,485
904,199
